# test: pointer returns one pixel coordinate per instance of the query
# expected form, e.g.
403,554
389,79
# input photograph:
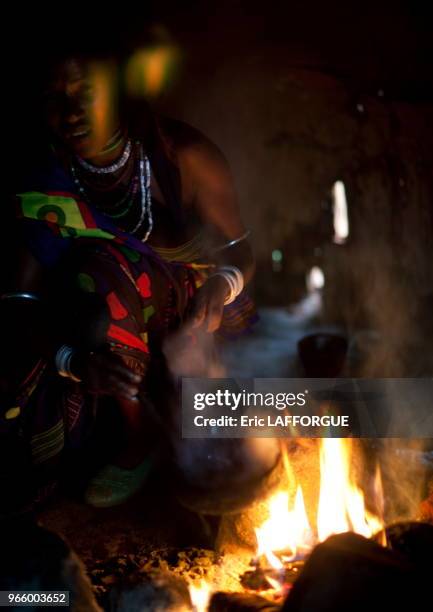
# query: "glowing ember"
200,596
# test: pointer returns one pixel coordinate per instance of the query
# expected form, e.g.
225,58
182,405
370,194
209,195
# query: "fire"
286,530
287,534
200,596
341,502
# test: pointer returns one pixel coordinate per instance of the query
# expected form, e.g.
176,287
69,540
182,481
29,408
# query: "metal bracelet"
227,245
63,362
18,295
234,279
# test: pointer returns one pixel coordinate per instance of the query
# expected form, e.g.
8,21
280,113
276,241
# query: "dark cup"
323,354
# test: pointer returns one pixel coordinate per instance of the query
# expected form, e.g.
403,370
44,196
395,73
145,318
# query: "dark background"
297,95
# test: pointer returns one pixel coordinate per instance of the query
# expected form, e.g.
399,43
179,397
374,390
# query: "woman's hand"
208,304
104,373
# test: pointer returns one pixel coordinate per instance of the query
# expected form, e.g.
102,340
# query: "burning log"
264,578
240,602
413,540
350,572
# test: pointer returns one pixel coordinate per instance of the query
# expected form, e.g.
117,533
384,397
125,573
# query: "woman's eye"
88,94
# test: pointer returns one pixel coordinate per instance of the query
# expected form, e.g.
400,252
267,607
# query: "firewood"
257,579
240,602
350,573
414,540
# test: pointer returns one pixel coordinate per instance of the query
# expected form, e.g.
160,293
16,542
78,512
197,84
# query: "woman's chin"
84,147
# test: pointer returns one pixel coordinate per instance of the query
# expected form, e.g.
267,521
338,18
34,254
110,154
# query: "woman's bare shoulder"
188,143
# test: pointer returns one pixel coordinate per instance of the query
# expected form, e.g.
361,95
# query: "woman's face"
80,104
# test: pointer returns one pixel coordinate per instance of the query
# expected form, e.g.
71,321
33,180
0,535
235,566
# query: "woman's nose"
74,110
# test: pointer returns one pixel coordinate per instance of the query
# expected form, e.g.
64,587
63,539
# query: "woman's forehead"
68,71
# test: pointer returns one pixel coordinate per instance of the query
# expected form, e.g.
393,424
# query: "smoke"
406,466
213,475
193,353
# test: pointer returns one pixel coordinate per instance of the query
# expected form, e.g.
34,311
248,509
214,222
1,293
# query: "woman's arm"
32,326
210,187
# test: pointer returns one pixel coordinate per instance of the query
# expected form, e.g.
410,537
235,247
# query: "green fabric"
86,282
62,210
148,312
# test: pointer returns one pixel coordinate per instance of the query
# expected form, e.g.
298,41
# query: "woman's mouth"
78,133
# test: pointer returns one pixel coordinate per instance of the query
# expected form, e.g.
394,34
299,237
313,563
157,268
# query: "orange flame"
341,501
286,530
341,508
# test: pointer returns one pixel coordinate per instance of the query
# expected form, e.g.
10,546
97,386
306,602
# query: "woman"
126,231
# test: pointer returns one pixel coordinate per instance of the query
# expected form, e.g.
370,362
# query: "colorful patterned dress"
144,293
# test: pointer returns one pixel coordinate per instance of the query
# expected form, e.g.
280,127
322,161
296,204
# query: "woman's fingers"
108,375
117,386
214,315
208,314
114,364
209,304
125,373
198,314
199,319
